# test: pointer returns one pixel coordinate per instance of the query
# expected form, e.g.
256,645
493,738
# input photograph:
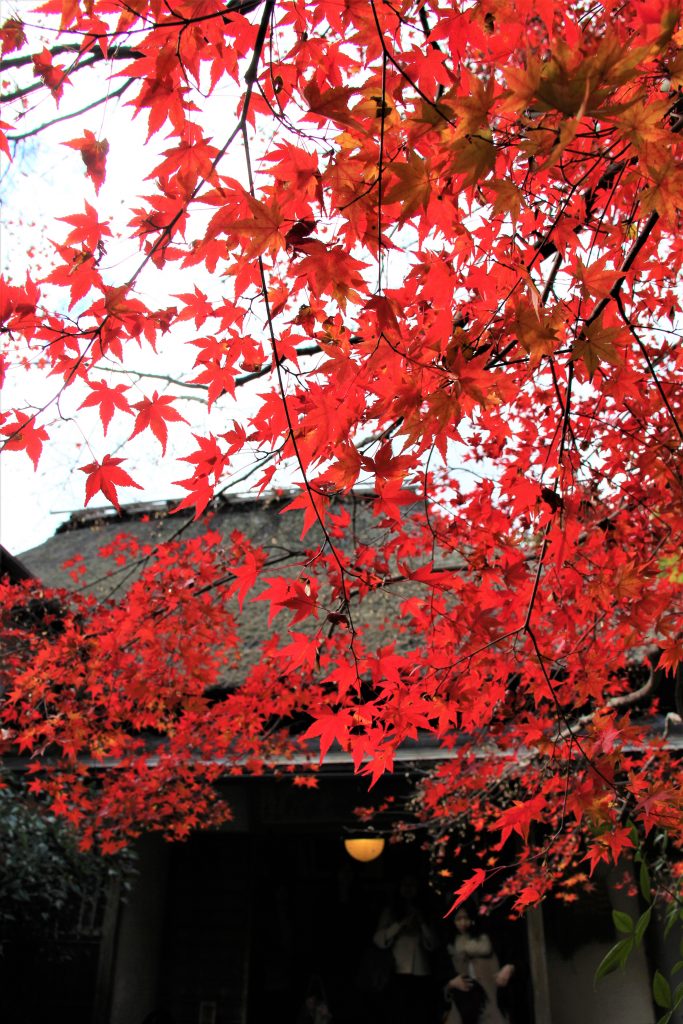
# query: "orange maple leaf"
595,278
595,345
413,188
260,233
474,157
535,331
332,104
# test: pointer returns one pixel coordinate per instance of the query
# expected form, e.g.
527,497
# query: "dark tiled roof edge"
85,518
13,567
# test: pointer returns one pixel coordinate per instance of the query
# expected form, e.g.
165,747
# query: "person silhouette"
473,989
404,928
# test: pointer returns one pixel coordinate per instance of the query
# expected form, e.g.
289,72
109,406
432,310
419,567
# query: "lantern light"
364,848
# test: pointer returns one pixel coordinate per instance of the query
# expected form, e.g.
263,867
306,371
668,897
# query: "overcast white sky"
45,182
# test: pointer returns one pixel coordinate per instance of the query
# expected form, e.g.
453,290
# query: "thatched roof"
259,519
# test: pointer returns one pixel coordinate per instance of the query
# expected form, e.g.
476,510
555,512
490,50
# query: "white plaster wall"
620,998
623,997
668,951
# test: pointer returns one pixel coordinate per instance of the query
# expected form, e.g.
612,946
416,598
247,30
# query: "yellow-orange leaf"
535,331
413,187
70,11
595,279
665,194
641,123
262,232
595,345
475,157
332,104
508,198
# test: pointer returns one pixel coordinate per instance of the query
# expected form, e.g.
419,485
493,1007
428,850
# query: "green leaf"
661,991
635,839
666,1018
641,927
617,957
677,997
670,921
645,886
677,967
623,922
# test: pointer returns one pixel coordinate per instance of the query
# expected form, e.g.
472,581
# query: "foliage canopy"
437,247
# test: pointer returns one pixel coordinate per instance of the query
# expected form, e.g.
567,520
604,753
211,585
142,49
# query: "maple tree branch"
563,716
88,62
259,463
623,700
252,70
404,74
240,381
640,241
650,365
566,422
380,173
552,277
525,627
75,113
118,52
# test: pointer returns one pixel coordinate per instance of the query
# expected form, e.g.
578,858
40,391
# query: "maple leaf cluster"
450,265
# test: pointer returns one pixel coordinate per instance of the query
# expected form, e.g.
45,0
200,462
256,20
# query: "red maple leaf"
671,656
53,75
23,434
468,887
106,476
94,155
12,35
156,413
108,399
331,726
88,230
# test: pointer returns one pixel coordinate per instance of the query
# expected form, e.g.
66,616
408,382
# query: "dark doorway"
259,917
255,921
316,911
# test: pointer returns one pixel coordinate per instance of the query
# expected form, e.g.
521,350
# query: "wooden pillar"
249,936
107,954
538,965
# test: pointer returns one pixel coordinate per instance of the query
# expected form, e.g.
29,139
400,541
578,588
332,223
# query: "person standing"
473,989
404,928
